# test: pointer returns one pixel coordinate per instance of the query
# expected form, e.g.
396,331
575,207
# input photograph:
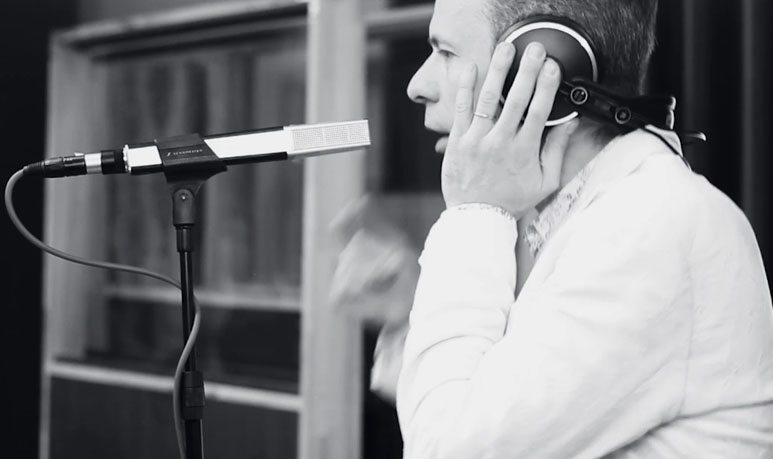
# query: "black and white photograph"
387,229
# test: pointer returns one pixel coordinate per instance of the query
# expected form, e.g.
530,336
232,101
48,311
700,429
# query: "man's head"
464,31
622,30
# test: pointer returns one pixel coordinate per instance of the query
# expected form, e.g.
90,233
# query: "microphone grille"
332,136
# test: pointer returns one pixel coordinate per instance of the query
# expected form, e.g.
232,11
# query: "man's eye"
445,54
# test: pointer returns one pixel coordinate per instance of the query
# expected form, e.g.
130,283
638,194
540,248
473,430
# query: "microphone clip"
188,157
187,162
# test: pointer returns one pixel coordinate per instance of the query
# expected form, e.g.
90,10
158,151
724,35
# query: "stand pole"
188,162
192,386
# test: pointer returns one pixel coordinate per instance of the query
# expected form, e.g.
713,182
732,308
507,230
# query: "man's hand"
377,270
496,159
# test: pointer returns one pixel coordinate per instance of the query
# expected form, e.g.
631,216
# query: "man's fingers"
464,101
522,89
542,103
491,91
553,152
351,218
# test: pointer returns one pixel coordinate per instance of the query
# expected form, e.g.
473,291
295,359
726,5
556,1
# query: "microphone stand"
188,162
192,383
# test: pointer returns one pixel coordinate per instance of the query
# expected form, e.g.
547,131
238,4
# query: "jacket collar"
622,156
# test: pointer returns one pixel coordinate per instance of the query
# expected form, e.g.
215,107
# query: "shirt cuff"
479,206
481,228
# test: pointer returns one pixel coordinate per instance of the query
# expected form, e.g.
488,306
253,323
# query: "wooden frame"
329,402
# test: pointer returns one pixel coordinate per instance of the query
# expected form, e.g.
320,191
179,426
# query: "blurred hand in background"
375,280
377,270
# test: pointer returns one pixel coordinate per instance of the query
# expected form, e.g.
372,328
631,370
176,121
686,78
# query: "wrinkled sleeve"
582,364
387,360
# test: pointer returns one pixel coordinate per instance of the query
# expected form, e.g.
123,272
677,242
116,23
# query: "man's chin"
442,143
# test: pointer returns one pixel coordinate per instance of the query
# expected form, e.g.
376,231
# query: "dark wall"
24,29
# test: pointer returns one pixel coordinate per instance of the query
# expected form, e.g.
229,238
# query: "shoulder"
653,201
663,201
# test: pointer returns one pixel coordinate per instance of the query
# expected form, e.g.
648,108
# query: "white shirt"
550,218
644,330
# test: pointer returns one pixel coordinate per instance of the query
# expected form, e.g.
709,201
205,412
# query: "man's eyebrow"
436,42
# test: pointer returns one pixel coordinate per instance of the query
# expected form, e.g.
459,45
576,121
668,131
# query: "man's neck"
584,145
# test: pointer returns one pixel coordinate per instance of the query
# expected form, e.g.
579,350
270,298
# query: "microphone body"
263,145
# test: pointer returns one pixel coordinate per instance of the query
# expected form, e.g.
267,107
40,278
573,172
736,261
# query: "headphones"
580,93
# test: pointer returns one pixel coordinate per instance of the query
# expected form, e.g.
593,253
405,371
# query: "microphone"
262,145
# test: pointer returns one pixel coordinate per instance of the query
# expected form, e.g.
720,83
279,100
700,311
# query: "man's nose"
422,89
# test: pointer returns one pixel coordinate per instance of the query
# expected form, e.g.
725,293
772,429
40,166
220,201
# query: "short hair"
623,32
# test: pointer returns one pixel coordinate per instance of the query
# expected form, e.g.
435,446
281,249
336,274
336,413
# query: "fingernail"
551,67
536,50
507,48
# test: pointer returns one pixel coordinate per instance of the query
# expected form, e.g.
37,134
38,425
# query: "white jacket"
645,329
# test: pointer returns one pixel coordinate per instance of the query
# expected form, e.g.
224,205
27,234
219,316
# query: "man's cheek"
455,69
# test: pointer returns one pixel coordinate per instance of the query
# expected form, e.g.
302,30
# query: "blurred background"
87,355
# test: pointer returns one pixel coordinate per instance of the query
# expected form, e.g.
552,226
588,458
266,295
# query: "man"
644,329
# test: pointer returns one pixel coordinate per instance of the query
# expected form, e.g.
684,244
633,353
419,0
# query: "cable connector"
62,166
104,162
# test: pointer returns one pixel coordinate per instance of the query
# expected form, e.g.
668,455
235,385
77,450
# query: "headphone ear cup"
566,43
